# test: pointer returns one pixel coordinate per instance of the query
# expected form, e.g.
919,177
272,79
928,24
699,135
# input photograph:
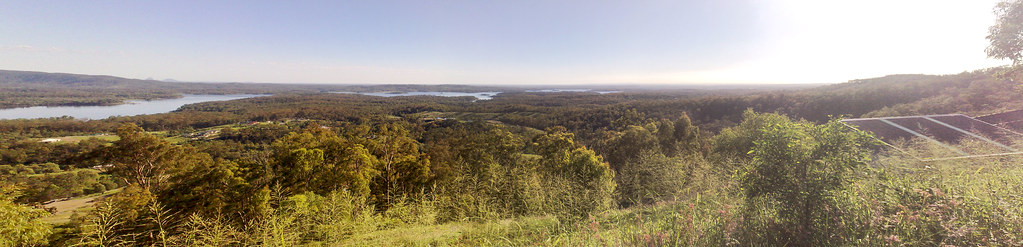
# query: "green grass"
177,139
432,235
57,173
666,223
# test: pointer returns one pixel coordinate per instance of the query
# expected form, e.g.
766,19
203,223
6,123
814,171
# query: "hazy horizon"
533,43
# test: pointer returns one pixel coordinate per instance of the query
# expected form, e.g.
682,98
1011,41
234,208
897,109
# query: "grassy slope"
67,208
75,139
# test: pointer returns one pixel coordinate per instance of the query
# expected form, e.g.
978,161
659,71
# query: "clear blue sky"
497,42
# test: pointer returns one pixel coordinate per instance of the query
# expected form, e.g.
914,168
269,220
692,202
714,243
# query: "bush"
794,179
653,177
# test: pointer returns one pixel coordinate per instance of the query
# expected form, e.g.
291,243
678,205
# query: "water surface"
132,108
479,95
580,90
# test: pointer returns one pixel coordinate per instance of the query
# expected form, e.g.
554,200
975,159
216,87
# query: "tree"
579,180
1006,37
481,173
20,225
651,162
207,189
621,149
686,137
132,217
146,160
404,170
320,161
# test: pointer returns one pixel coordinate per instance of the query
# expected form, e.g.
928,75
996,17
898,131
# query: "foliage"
145,160
482,173
797,170
321,161
653,162
585,182
209,189
1006,35
20,225
132,217
61,184
403,168
654,177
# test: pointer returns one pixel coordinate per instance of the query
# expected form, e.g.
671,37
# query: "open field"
76,139
67,208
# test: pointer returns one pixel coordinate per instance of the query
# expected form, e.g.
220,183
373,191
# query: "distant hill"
28,88
27,79
973,93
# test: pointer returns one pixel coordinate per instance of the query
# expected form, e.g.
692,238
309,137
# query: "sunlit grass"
65,209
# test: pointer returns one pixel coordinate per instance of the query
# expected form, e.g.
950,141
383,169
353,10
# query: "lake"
131,108
479,95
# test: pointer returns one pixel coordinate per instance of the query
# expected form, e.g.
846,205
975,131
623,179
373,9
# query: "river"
131,108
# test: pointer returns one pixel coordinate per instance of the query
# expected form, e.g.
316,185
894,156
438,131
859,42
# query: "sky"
498,42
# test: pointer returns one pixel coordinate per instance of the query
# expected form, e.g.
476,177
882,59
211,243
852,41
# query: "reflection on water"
132,108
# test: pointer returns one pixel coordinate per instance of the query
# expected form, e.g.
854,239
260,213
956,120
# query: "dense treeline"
587,113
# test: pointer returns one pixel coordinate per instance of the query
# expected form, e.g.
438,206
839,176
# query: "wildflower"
892,239
594,224
922,193
913,217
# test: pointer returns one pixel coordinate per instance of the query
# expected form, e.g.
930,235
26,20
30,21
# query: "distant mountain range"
11,79
976,92
29,88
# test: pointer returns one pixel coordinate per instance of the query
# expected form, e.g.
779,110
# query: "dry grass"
67,208
430,235
76,139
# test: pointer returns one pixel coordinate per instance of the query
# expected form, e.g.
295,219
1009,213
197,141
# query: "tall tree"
1006,37
146,160
320,161
581,183
404,170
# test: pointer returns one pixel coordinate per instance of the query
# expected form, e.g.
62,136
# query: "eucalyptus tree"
1006,36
